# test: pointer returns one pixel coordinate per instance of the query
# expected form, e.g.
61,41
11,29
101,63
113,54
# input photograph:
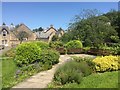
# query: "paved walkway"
42,79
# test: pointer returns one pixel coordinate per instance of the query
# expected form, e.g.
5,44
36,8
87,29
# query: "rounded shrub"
107,63
74,44
27,53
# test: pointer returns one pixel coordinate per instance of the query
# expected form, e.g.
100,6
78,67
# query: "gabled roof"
45,34
4,27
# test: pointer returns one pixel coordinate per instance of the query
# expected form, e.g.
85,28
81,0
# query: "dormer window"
4,33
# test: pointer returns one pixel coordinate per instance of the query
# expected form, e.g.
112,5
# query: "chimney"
51,26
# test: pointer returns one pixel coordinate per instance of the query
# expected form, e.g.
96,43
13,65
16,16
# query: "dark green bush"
27,53
56,44
42,45
68,73
50,57
74,44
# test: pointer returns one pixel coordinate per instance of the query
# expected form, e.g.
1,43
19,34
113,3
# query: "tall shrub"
27,53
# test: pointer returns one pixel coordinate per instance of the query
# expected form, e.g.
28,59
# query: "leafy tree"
60,29
3,23
93,29
114,17
55,38
38,29
21,35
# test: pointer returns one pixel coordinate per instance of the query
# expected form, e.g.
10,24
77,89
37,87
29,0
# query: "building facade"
8,35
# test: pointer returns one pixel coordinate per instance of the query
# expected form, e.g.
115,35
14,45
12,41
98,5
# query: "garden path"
42,79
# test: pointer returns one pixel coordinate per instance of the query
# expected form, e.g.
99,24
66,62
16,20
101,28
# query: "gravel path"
42,79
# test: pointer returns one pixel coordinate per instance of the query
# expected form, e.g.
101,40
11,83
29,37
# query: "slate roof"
4,27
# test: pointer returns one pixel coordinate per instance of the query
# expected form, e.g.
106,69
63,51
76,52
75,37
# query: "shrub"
71,72
74,44
42,45
56,44
50,57
107,63
27,53
68,73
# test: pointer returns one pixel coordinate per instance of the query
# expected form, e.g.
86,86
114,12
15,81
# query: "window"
4,42
4,32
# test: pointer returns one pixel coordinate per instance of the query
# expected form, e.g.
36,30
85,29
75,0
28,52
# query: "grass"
8,73
96,80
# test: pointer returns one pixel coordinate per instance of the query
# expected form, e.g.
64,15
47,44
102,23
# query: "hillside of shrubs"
27,59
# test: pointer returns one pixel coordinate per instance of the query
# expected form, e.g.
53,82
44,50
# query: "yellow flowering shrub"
107,63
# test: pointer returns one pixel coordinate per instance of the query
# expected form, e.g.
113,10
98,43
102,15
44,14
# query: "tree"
3,23
92,28
38,29
55,38
114,17
21,35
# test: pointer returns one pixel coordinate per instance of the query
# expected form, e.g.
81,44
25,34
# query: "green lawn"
99,80
8,73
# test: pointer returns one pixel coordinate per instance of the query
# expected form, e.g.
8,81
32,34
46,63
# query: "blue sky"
43,14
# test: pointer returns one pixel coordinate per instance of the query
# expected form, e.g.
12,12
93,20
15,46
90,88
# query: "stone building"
46,35
8,35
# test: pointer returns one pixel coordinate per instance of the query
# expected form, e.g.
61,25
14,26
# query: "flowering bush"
107,63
